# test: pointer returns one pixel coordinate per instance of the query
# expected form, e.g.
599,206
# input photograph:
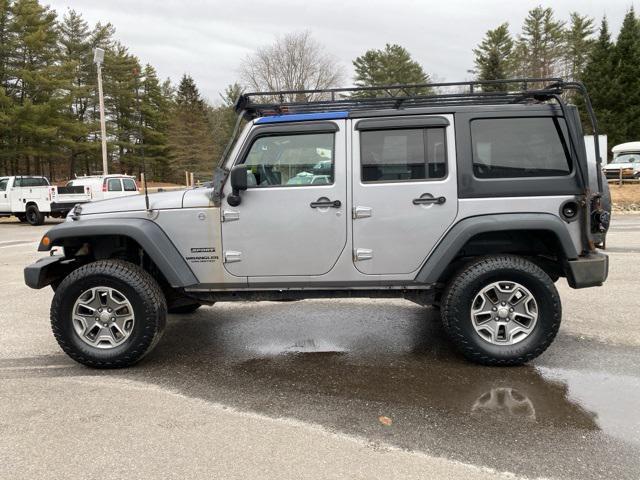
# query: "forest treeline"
49,117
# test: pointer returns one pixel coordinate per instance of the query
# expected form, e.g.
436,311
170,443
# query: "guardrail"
629,181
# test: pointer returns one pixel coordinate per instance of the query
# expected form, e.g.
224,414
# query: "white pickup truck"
31,198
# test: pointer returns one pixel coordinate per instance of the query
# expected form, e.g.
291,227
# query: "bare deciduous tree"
295,61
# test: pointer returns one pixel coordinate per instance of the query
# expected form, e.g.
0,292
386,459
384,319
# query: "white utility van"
107,186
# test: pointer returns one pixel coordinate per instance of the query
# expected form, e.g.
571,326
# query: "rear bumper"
589,271
63,207
46,270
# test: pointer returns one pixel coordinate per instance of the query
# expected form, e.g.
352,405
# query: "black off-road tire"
465,285
139,288
184,309
34,216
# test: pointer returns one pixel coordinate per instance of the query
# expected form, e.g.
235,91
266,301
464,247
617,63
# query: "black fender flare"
458,235
148,234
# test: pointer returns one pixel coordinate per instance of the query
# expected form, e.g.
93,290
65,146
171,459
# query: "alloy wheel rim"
504,313
103,317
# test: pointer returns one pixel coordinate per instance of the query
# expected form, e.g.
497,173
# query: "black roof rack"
489,92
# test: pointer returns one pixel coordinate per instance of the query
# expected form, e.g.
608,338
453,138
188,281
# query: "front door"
5,205
404,191
291,220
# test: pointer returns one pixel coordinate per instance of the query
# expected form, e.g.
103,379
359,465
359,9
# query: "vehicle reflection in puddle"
506,403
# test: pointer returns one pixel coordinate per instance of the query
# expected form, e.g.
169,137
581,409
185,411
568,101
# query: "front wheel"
108,314
501,310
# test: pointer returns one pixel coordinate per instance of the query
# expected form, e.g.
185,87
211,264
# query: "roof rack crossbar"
258,104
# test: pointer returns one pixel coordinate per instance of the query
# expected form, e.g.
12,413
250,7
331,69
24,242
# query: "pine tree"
35,82
578,45
391,66
153,114
626,65
598,77
493,57
190,139
540,46
6,102
120,80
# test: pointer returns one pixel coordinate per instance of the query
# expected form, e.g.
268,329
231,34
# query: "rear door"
404,190
114,188
130,187
292,217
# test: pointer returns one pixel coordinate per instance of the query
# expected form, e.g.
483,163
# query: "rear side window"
114,185
3,184
129,185
406,154
519,147
31,182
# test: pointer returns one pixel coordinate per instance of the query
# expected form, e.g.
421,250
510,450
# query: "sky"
209,39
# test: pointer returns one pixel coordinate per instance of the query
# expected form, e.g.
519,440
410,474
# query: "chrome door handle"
325,202
429,200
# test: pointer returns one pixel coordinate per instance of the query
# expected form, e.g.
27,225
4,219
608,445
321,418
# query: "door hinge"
360,254
230,215
231,256
362,212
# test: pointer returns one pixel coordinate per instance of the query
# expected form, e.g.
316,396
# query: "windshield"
627,158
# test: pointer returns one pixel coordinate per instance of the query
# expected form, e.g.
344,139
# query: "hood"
618,166
157,201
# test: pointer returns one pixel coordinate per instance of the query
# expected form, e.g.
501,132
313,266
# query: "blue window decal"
300,117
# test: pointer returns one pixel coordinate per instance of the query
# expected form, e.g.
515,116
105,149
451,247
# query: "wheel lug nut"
109,310
113,319
504,303
494,309
511,309
99,309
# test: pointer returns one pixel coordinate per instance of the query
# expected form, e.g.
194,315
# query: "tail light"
51,190
104,186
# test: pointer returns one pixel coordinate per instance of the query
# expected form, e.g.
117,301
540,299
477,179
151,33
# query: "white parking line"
26,244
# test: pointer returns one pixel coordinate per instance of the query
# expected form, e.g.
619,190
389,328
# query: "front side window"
291,160
519,147
396,155
114,185
129,185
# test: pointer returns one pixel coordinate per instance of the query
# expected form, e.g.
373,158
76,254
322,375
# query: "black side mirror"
238,177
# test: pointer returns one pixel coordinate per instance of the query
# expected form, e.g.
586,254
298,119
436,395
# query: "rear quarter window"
129,185
519,147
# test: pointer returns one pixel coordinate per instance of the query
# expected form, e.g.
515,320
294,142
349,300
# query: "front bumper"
588,271
627,173
47,270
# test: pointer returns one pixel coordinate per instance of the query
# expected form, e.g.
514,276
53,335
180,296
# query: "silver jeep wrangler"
474,202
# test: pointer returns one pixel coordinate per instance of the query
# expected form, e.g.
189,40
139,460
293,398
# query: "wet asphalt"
341,365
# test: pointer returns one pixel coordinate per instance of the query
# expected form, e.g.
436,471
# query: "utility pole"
98,58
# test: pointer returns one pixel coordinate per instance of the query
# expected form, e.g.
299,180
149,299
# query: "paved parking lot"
295,390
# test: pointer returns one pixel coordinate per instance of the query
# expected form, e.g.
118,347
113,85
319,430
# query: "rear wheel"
34,216
501,310
108,314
